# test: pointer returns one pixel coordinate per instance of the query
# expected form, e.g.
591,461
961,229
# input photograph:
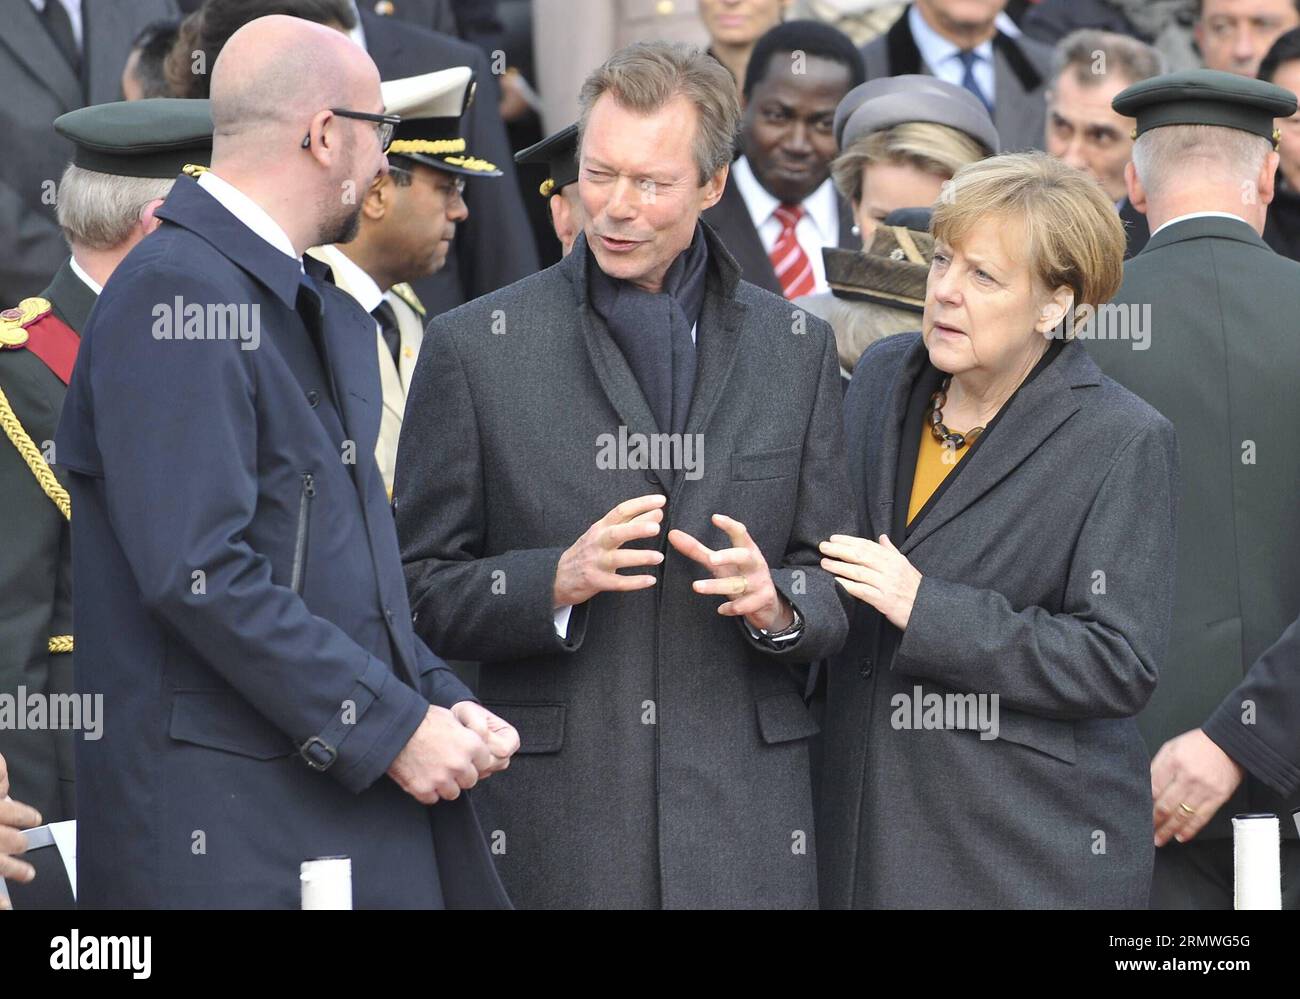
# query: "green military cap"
157,137
559,153
1206,97
432,107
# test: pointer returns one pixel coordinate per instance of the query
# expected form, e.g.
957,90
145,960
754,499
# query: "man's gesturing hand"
441,757
497,734
589,566
740,573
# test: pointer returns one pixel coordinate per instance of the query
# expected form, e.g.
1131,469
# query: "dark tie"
387,320
59,25
968,60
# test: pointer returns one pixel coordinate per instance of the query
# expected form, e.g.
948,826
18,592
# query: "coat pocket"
302,535
221,719
783,717
765,465
540,726
1052,736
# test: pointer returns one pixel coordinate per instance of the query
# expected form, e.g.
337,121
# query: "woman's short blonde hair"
935,149
1073,232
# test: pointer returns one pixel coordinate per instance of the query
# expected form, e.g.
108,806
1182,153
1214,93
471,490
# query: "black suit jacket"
38,86
495,246
731,220
1258,724
1020,70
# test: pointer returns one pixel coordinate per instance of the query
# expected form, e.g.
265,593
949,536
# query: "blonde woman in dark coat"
1013,582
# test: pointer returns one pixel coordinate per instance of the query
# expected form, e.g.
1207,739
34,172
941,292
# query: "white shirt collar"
349,275
1203,215
248,211
934,48
86,279
820,207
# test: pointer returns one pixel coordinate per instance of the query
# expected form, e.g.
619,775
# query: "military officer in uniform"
559,154
125,158
408,220
1216,353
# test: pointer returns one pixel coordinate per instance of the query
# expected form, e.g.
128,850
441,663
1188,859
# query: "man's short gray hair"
1099,55
647,75
1168,155
99,210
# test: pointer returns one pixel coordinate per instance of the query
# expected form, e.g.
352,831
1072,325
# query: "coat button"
652,476
313,399
867,668
388,612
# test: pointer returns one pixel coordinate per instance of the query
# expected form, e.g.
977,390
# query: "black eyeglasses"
454,187
385,123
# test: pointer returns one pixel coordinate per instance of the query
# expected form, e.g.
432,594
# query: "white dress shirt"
819,226
944,58
1203,215
73,7
248,212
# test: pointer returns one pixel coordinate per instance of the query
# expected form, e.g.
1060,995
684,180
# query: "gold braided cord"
60,643
31,454
471,163
431,147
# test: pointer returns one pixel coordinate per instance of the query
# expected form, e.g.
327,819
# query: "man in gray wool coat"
683,426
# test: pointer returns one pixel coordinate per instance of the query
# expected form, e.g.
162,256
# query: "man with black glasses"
243,615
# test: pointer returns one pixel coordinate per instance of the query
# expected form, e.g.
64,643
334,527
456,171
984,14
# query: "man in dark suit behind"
966,43
664,756
1218,357
244,620
1088,69
52,64
496,246
780,206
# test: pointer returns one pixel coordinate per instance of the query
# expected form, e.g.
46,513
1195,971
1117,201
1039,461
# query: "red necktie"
792,266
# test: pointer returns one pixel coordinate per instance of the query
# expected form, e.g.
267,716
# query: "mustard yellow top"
933,463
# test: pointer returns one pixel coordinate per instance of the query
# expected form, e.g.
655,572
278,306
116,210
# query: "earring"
856,230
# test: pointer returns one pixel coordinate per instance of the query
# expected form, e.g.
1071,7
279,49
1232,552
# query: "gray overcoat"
1048,568
665,752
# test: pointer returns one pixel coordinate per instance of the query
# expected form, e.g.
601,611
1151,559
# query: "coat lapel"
880,472
719,332
31,46
1030,418
352,360
734,227
611,367
904,56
